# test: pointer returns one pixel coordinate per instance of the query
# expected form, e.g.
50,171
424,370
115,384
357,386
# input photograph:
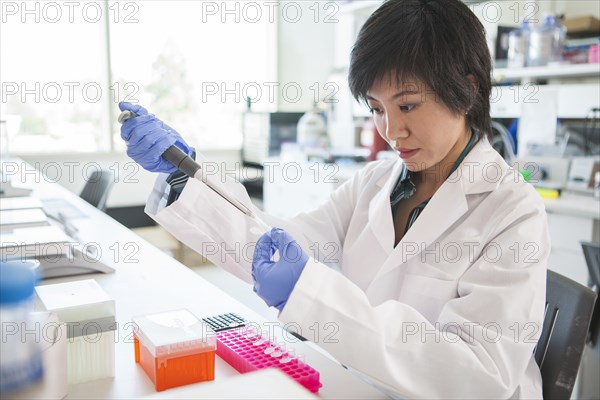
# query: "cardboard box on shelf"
583,25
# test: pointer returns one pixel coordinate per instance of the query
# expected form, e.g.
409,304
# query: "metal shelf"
551,71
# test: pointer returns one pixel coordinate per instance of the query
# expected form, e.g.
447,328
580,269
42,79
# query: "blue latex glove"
147,138
275,280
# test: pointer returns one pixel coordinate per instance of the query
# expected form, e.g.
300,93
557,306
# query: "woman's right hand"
147,138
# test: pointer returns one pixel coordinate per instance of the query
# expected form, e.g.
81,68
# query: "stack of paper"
11,219
41,241
20,203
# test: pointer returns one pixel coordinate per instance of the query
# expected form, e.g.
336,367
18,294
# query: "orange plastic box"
174,348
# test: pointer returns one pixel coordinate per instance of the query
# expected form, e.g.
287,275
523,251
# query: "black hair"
438,42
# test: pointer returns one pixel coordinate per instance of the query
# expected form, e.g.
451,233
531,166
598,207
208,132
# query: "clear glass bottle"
21,359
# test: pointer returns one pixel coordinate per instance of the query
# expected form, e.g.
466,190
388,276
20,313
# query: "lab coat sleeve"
479,346
157,200
210,226
321,232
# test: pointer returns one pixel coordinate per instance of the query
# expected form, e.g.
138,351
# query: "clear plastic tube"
262,339
279,350
288,357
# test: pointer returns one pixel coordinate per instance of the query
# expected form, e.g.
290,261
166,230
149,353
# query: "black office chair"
97,188
569,307
591,251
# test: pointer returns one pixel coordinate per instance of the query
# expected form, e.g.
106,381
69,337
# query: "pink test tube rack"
239,352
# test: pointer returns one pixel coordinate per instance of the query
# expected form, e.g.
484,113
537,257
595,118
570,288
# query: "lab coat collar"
380,211
478,171
481,171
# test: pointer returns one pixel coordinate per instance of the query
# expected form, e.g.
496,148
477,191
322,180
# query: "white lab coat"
453,311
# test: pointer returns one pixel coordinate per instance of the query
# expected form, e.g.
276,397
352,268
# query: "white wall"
305,52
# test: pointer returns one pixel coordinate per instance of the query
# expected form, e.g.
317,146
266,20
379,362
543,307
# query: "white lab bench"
147,281
290,188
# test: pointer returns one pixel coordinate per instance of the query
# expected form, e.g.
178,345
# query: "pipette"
191,168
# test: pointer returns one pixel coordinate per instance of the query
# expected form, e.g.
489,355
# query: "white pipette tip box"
89,313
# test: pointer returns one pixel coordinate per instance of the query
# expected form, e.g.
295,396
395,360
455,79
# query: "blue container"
21,359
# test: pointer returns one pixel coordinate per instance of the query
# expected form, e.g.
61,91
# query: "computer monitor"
264,133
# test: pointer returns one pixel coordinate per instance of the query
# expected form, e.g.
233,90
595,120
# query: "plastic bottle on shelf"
312,129
518,44
559,33
541,44
21,362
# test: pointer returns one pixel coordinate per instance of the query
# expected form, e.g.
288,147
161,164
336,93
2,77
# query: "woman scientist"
430,268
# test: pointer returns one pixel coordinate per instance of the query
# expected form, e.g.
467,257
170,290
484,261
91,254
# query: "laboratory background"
260,90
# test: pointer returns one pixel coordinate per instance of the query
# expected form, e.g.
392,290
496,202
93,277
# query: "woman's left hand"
275,280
